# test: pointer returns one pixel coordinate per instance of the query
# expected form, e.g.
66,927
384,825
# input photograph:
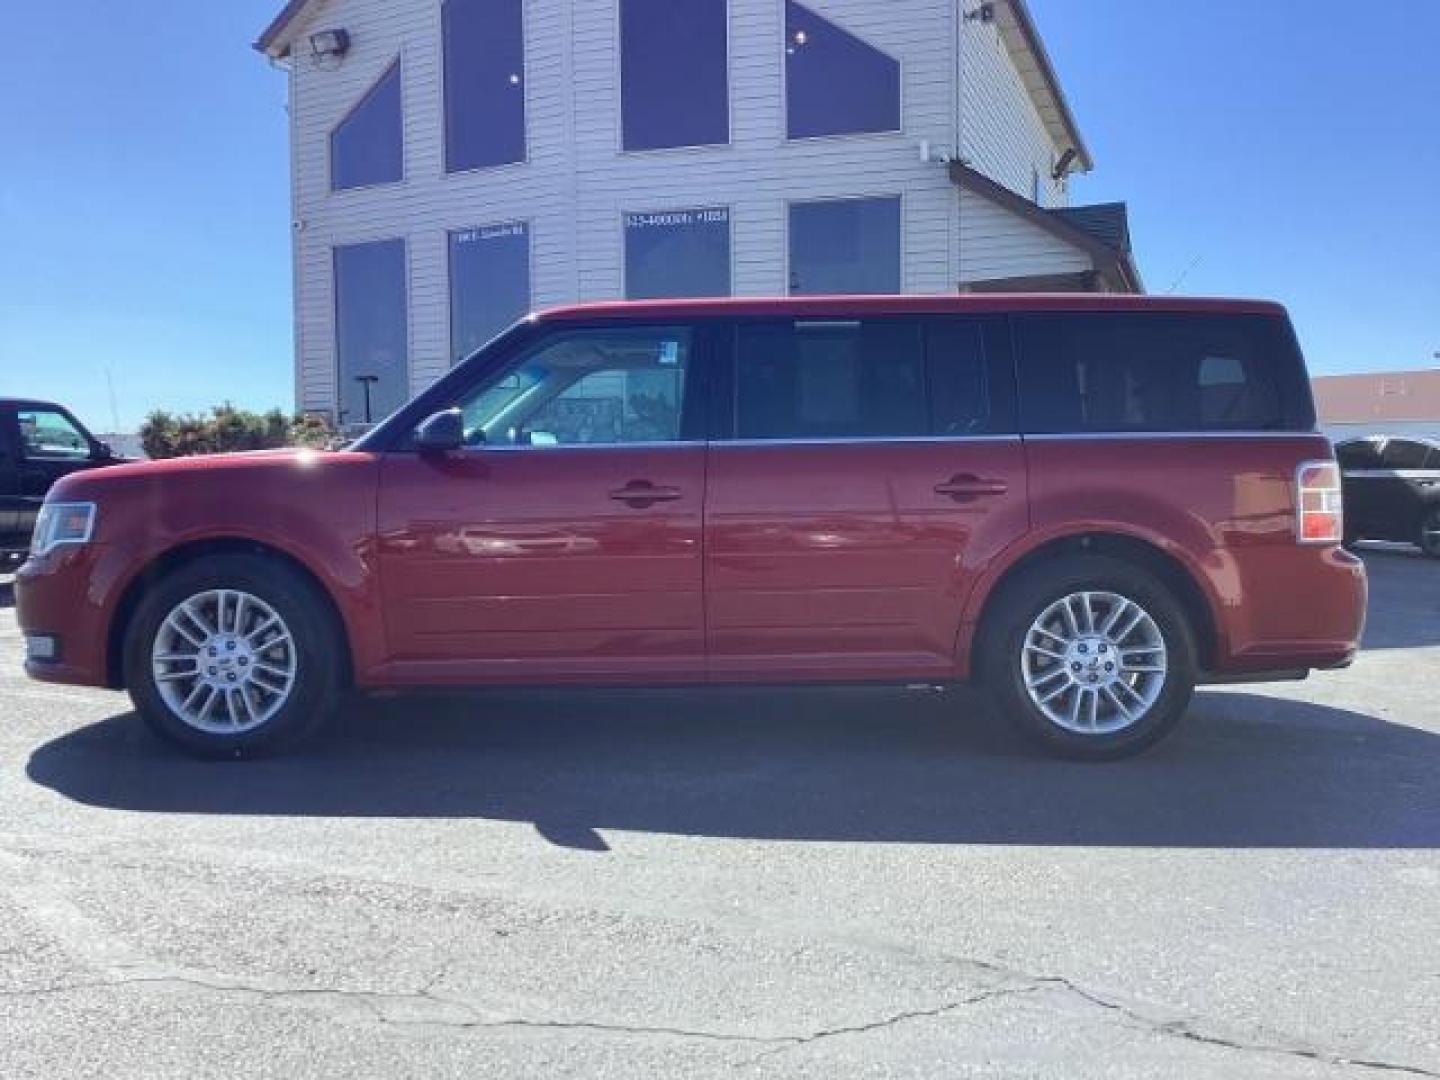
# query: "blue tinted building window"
675,87
371,330
845,246
677,253
489,283
484,83
836,84
367,147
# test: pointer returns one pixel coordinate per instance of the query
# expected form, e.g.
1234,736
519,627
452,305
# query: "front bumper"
64,596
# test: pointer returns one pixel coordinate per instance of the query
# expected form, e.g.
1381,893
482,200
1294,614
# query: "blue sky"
1275,148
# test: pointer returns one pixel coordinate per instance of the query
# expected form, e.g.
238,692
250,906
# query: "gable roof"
1017,31
1101,231
1107,222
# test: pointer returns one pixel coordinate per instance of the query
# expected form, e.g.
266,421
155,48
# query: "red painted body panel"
813,561
843,561
519,565
318,509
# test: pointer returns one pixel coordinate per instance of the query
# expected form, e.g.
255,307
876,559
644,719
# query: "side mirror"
104,451
441,432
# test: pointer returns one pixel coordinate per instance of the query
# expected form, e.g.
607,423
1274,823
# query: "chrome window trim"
1391,474
1055,436
505,448
875,440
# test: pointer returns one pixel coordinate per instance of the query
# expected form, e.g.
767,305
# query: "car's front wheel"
233,655
1091,657
1430,533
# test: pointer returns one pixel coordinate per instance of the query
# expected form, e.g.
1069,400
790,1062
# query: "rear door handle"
966,487
641,494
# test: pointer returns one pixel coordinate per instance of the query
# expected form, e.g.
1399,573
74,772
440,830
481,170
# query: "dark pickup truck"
39,443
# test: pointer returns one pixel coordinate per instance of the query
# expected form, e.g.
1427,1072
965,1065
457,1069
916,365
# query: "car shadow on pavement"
1247,770
7,594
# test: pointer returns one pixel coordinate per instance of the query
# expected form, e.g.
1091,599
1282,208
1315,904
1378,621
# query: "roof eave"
1025,44
1116,268
275,40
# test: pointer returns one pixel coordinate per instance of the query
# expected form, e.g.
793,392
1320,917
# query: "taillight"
1320,516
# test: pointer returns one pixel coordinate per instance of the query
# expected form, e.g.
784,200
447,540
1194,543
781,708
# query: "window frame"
785,84
618,75
397,434
729,244
396,65
529,224
21,450
1294,423
1427,451
443,108
789,260
335,358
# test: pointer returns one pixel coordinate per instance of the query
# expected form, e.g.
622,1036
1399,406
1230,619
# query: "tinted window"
1358,455
1161,372
836,84
829,380
1404,454
845,246
484,83
367,147
489,283
45,433
677,253
371,333
675,86
959,377
586,387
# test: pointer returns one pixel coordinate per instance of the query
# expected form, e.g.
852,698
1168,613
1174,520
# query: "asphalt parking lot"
757,883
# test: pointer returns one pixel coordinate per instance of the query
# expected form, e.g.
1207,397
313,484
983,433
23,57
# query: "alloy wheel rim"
224,661
1094,663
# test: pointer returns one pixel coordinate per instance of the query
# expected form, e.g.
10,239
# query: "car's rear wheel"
1091,657
1430,533
232,656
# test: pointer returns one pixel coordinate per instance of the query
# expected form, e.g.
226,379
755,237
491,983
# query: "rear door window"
1160,372
872,379
827,379
1356,456
1403,454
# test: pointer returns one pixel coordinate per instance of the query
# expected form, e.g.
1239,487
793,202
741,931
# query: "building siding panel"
577,183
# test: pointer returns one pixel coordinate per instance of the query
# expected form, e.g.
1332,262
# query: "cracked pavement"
751,883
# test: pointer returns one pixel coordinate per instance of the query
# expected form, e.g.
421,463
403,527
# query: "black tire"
318,644
1023,600
1430,532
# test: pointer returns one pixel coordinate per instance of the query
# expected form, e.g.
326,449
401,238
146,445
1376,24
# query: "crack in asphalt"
473,1018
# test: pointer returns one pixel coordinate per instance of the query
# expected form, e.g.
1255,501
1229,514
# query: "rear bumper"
63,595
1294,609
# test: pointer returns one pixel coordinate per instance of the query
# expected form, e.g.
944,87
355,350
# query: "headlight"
62,523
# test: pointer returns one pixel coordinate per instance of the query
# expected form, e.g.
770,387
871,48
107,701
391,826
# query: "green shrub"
227,429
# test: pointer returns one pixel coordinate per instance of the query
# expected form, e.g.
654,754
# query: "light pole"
366,381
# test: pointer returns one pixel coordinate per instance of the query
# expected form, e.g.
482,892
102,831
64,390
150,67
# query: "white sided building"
457,163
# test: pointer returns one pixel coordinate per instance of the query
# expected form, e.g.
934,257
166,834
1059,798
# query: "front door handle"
966,487
642,494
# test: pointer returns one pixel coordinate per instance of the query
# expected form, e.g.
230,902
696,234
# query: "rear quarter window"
1160,372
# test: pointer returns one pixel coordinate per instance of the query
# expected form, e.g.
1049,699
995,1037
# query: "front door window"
588,387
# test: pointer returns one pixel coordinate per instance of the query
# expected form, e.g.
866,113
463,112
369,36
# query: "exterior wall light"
329,44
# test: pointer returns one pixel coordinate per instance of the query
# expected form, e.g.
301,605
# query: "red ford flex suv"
1088,504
